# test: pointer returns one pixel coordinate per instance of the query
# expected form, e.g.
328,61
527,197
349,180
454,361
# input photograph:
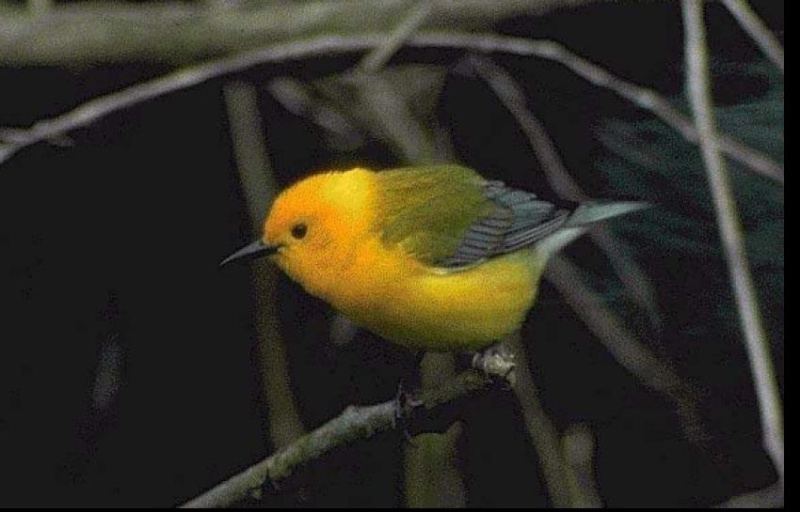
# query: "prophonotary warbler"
435,258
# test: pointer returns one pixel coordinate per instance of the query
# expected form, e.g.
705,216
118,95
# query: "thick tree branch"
12,141
433,411
80,33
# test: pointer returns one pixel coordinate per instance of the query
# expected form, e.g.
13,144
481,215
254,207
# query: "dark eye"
299,230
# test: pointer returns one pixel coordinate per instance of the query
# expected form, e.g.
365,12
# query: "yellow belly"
423,308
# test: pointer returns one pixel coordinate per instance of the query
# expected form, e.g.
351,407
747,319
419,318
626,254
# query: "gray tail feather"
585,214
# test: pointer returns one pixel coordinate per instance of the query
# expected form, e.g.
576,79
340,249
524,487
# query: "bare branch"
759,32
181,33
769,497
250,149
644,98
434,411
432,477
256,176
578,444
630,352
379,56
14,140
541,431
731,233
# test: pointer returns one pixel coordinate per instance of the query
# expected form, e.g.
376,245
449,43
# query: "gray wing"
519,219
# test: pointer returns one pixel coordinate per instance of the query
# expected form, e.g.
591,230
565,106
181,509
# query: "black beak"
253,251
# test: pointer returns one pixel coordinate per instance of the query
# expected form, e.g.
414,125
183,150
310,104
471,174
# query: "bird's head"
313,227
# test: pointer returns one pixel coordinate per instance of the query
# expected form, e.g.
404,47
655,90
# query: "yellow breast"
393,295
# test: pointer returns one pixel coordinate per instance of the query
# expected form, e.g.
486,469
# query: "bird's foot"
497,361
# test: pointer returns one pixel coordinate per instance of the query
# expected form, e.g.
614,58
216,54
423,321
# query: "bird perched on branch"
435,258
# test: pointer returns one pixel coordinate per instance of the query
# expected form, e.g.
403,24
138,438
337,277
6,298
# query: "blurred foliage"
647,159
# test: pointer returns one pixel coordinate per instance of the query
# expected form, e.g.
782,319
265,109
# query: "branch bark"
434,411
82,33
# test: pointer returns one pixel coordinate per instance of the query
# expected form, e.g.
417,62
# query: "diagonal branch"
541,430
633,277
433,411
12,141
629,351
757,31
380,55
731,233
768,497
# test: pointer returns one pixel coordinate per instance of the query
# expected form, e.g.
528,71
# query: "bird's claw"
497,361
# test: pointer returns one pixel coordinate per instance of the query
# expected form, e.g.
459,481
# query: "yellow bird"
434,258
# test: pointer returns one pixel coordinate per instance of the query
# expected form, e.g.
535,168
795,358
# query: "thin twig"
256,177
757,30
296,96
513,98
629,351
633,277
433,411
250,149
541,431
578,445
731,233
380,55
769,497
432,477
386,112
14,140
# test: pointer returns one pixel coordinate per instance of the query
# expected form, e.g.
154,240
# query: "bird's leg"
495,360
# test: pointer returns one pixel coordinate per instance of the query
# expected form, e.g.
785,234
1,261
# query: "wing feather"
450,217
517,219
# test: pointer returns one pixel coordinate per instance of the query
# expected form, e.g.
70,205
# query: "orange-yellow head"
313,227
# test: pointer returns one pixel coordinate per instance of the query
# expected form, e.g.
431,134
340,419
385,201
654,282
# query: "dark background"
128,371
